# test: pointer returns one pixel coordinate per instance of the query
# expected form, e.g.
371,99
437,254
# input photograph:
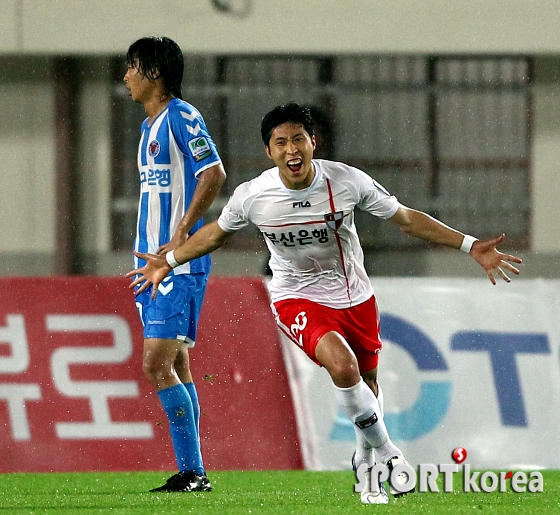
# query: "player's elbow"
409,221
408,230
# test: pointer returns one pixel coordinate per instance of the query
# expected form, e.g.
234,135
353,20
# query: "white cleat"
398,479
374,497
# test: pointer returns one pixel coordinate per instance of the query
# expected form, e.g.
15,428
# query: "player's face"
291,148
139,86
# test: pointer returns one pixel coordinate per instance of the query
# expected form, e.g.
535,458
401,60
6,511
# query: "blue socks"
180,403
191,388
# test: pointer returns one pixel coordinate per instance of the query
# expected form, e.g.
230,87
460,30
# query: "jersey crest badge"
153,148
334,220
200,148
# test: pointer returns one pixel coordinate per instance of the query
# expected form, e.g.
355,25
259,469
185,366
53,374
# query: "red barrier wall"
73,396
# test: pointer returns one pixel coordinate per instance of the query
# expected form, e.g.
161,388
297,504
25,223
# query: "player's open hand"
152,273
492,260
172,244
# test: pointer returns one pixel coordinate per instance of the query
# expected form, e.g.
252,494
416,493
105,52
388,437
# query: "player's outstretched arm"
157,267
485,253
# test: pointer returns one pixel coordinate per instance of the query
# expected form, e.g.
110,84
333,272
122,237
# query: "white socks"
380,399
364,451
365,412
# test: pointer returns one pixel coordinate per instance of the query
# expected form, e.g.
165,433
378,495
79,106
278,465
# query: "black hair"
159,57
289,113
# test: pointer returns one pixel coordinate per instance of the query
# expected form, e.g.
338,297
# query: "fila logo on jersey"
301,204
200,148
153,148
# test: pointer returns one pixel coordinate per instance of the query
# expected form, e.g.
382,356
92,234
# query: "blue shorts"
174,313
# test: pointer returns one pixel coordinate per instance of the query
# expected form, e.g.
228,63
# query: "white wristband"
170,258
467,244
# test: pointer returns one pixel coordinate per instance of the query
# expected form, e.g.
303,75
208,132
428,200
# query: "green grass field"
283,493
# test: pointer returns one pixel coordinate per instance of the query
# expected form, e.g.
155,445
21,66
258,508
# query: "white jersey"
310,233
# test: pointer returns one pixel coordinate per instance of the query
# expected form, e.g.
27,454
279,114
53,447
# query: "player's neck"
155,105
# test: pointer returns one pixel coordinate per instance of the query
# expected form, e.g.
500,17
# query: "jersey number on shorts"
299,325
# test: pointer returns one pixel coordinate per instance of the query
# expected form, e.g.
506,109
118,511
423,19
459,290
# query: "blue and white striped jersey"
173,151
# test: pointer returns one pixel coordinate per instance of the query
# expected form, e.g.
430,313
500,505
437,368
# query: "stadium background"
455,107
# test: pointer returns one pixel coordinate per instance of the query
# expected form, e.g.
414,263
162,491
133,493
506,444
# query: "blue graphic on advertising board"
434,397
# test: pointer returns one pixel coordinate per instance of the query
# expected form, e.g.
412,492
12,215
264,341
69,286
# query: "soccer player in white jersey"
180,176
320,292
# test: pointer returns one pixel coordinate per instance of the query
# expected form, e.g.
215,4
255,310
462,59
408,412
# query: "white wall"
33,31
95,162
27,178
439,26
546,159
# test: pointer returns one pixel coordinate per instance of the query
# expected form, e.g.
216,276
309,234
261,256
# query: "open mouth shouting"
295,164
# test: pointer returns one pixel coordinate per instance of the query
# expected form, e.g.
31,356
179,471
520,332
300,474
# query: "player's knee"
155,372
344,371
148,369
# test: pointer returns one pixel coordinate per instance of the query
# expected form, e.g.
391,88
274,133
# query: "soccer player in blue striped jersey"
180,175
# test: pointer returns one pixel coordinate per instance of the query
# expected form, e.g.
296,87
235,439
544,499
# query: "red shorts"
305,322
